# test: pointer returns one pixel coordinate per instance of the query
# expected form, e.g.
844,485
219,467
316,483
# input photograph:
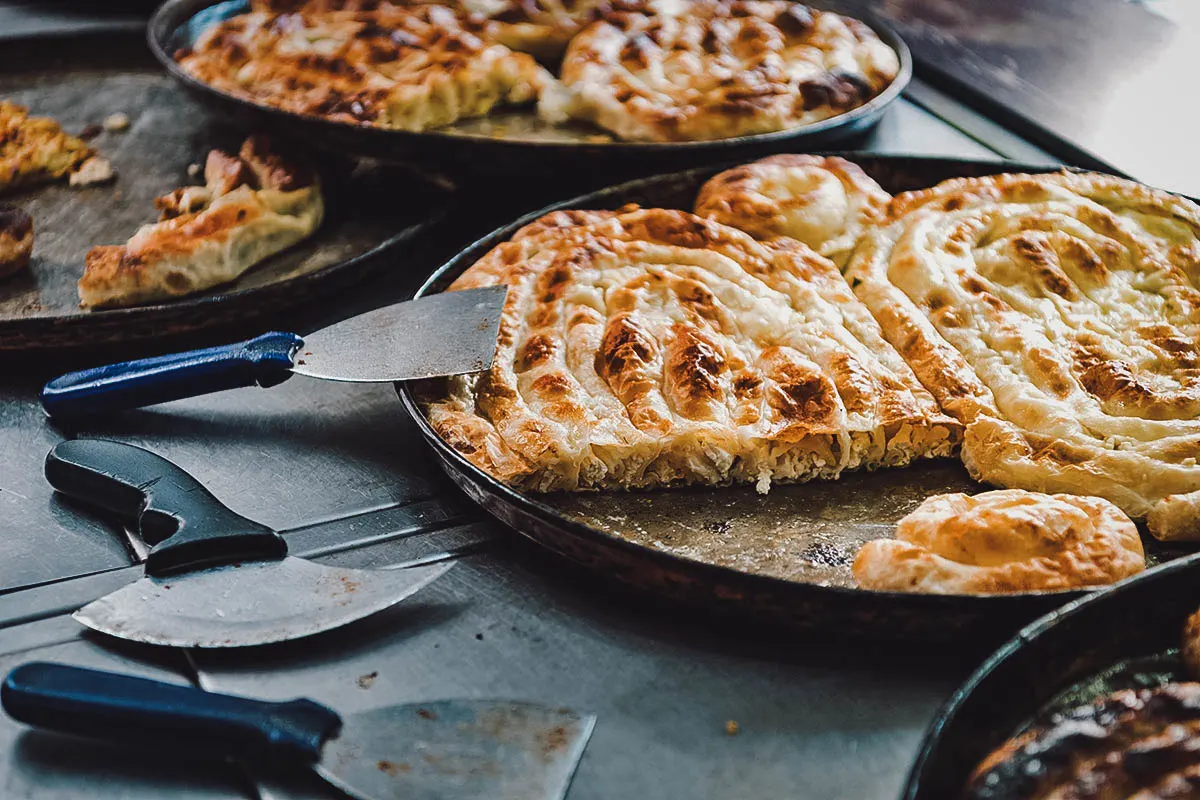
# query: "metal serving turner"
444,334
213,577
445,750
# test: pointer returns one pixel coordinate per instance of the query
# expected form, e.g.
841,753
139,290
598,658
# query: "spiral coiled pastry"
824,201
405,68
722,69
539,27
1140,744
651,347
1003,541
1058,316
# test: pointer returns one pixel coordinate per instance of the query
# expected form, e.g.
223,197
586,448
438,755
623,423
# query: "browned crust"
1003,542
608,396
1059,316
190,222
35,150
736,68
408,67
826,202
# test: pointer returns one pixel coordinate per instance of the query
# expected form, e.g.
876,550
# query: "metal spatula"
444,750
444,334
213,577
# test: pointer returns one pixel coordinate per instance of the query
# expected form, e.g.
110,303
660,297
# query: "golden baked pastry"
1058,316
722,69
824,201
541,28
16,240
35,150
1003,541
1141,744
652,348
410,69
251,207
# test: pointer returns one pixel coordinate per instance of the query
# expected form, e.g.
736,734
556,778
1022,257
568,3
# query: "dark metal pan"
1122,638
82,79
784,557
525,146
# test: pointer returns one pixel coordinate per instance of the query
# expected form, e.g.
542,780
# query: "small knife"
213,578
443,750
444,334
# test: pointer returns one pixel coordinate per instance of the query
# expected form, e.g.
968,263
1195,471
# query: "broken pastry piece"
16,240
36,150
1001,542
252,206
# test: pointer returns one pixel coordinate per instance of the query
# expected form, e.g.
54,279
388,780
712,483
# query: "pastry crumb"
94,170
193,170
116,122
732,728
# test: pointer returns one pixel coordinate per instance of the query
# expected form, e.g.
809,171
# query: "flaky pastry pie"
251,206
410,69
1001,542
721,69
824,201
1058,315
36,150
541,28
651,348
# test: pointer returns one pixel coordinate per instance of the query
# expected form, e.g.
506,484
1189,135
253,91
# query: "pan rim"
169,17
449,458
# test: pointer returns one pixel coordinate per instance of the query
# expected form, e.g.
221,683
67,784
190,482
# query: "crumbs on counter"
732,728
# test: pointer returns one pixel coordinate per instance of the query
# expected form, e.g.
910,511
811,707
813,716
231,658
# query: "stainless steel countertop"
818,719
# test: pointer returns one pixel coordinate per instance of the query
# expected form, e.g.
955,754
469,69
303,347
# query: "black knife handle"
188,527
145,713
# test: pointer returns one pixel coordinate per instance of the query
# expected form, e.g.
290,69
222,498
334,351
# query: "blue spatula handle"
145,713
188,527
265,361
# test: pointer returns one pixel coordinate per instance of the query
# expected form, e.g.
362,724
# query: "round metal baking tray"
511,142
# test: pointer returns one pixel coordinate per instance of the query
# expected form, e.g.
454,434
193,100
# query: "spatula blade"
443,334
458,750
250,604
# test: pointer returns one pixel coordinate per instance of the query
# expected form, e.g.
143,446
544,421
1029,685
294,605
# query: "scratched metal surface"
167,133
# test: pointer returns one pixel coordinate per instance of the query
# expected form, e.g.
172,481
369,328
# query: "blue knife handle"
265,361
188,527
145,713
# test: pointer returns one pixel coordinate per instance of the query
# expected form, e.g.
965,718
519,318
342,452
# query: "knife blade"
443,334
440,750
212,578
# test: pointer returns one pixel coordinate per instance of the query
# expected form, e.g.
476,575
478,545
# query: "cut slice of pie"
36,150
251,207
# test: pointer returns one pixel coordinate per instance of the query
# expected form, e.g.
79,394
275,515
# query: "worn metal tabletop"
340,466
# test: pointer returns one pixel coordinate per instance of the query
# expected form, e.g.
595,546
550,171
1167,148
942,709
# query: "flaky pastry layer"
824,201
722,69
407,68
652,348
1003,542
252,206
1058,317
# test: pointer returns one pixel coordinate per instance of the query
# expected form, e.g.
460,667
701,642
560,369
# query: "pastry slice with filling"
252,206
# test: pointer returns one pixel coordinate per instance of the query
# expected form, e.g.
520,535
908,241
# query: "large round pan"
1123,638
786,556
525,146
